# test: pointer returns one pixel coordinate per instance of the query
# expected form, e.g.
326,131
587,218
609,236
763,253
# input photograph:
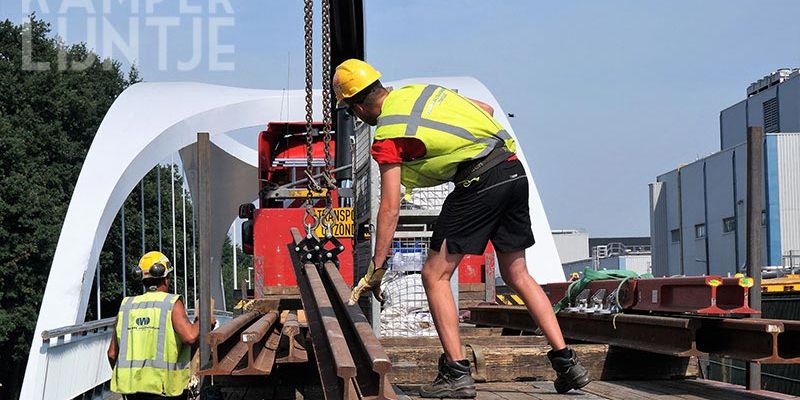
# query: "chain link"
310,220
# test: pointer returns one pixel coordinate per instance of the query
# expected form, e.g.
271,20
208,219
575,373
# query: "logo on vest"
141,321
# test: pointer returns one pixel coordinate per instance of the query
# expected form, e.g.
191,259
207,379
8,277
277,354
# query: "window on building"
700,231
764,218
675,234
771,116
728,224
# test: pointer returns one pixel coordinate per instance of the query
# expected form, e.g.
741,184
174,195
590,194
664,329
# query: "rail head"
225,332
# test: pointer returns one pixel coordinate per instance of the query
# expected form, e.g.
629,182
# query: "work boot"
454,381
570,374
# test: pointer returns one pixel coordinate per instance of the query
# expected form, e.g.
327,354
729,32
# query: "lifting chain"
310,219
329,181
327,247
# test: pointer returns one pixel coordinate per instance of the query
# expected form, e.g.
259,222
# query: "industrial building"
698,210
578,251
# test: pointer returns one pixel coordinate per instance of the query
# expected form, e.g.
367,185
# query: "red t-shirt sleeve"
395,151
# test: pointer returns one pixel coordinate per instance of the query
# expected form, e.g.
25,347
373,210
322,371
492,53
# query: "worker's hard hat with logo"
153,265
351,77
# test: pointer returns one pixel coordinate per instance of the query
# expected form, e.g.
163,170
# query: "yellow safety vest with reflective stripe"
152,359
453,129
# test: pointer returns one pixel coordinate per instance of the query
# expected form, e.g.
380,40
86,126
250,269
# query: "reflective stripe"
146,304
509,180
440,126
392,120
415,118
162,326
503,134
160,364
123,342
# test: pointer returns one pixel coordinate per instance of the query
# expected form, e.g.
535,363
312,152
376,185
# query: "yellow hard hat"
351,77
153,265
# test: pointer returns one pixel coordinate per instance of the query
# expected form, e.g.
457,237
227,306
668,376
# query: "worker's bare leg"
514,271
436,275
569,373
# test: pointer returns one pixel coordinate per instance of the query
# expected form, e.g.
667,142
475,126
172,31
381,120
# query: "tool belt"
472,169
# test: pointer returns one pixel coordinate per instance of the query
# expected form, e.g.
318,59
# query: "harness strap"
472,169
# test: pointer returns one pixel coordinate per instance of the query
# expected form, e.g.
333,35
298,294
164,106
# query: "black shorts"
493,208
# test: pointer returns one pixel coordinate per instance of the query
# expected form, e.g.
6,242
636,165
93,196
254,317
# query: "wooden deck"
695,389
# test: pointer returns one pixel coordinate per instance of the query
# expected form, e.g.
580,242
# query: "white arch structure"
150,121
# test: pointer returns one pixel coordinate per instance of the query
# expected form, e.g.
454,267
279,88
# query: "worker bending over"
150,348
427,135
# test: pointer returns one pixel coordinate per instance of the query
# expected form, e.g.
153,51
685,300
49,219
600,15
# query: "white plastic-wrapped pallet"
405,311
431,198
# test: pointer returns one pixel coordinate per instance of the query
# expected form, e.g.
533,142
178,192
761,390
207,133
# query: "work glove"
370,282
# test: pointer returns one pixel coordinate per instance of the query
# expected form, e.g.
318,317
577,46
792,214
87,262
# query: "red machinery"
281,161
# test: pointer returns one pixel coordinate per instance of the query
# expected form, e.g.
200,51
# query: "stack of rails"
350,359
351,362
250,344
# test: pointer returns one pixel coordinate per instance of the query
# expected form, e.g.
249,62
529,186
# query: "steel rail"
343,360
260,358
371,360
218,337
296,352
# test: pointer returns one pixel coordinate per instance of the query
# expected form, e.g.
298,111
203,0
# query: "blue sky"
606,94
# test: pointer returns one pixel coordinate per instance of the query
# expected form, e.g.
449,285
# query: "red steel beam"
664,335
757,340
690,294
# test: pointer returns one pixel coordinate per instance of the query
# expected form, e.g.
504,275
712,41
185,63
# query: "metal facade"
572,245
693,211
721,205
733,125
789,105
672,204
659,233
788,152
740,182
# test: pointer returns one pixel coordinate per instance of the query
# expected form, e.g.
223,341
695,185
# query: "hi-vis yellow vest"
152,359
453,129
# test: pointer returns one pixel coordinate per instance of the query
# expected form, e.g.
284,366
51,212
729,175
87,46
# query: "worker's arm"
489,110
187,331
113,348
388,213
